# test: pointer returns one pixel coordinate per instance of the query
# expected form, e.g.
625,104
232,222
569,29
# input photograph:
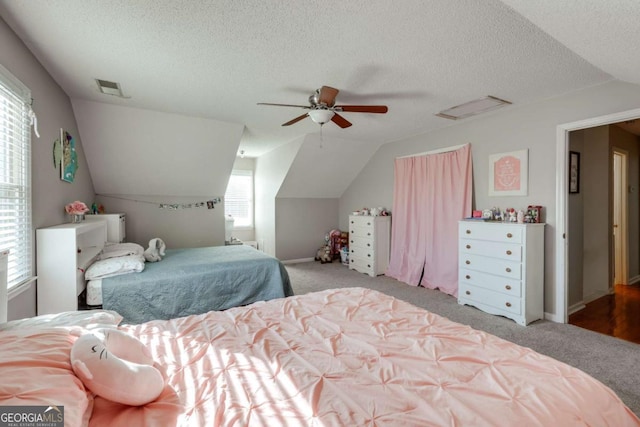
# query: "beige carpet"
614,362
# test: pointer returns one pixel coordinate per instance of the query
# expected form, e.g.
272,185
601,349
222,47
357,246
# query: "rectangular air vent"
109,88
472,108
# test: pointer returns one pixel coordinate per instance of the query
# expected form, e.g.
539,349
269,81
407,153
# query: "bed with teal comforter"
194,281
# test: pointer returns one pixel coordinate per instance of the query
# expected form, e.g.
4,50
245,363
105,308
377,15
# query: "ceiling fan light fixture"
321,116
473,108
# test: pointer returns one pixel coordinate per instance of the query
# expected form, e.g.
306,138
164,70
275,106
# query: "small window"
15,178
238,200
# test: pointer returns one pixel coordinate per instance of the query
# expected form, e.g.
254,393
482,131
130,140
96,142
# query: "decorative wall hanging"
64,154
508,173
574,172
209,204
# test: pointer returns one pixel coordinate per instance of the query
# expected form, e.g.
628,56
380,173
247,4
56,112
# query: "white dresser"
63,254
116,226
369,241
501,268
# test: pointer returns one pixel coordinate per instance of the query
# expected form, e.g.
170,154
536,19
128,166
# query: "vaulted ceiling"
217,59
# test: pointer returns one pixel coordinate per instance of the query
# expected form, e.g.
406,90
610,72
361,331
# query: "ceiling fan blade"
328,95
340,121
380,109
296,120
284,105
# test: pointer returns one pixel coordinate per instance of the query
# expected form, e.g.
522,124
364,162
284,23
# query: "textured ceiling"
217,59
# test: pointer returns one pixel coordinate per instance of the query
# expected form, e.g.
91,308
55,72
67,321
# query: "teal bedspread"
194,281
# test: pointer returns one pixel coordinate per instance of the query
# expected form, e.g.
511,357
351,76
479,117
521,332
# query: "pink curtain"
431,194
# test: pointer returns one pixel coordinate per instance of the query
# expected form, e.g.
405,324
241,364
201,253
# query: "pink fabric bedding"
354,357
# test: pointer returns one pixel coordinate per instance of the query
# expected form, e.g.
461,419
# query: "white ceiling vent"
110,88
472,108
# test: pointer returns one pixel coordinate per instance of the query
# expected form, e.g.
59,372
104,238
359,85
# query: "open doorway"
604,236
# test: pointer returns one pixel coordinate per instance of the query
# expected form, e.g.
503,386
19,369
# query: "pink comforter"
354,357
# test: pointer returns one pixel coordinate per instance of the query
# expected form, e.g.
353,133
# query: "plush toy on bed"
155,251
116,366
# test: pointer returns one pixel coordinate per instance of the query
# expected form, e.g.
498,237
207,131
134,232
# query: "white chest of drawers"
369,241
501,269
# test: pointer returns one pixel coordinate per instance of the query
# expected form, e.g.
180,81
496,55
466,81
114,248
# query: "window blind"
15,178
238,199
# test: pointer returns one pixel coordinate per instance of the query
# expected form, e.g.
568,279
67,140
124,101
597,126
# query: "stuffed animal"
324,254
155,251
116,366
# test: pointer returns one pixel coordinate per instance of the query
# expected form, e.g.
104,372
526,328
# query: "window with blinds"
15,178
238,200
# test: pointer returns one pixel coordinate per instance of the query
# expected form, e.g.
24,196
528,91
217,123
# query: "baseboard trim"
553,317
575,308
634,280
297,261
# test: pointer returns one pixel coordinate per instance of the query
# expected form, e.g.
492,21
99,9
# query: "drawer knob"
368,234
351,222
467,277
369,255
352,251
368,223
508,287
468,246
509,235
468,231
468,292
508,252
508,270
508,304
369,265
352,241
369,244
467,262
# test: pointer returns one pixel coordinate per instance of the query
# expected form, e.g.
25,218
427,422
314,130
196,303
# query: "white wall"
595,171
271,169
141,158
301,225
516,127
53,107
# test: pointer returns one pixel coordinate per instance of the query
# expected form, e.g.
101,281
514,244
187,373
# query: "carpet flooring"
612,361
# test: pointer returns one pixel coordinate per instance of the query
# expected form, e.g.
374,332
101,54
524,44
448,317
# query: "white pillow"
83,318
113,250
115,267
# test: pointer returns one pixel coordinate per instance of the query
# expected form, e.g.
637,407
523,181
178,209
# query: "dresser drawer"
361,232
362,265
469,294
492,232
361,253
508,251
361,242
504,285
361,221
495,266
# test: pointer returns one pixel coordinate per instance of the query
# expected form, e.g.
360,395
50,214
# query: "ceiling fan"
322,108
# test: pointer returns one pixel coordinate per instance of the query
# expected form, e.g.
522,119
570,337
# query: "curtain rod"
436,151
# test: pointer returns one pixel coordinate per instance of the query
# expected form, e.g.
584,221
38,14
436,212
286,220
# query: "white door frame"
562,192
622,229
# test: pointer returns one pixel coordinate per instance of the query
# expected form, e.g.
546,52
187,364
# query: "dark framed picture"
574,172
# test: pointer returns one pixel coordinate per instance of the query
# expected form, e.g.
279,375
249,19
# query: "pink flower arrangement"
76,208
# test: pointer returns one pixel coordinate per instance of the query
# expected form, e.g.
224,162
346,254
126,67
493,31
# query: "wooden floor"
617,314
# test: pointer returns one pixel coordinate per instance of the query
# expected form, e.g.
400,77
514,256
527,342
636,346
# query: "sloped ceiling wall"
325,167
143,152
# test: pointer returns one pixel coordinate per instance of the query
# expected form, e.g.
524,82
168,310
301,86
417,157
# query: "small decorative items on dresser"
77,210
